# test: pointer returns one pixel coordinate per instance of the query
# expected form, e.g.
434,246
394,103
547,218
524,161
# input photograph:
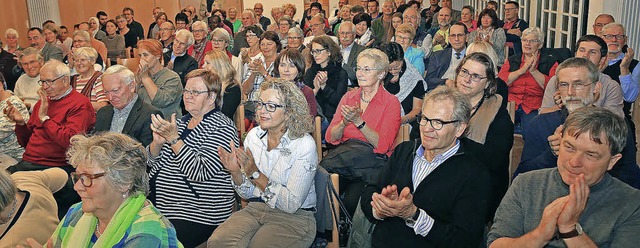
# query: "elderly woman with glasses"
130,37
111,178
201,45
363,128
88,81
284,24
220,40
275,173
404,36
188,181
476,79
527,75
260,67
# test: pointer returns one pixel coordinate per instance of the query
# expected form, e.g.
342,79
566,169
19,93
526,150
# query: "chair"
403,134
132,63
511,108
335,180
238,118
317,136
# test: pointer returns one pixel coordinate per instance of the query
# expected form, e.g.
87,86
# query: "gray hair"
613,25
594,73
84,34
222,34
59,69
380,58
188,34
461,105
30,51
348,23
296,30
199,23
7,190
122,158
87,52
125,75
535,31
287,19
11,31
597,122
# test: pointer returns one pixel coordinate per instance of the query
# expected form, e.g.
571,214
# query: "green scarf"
80,235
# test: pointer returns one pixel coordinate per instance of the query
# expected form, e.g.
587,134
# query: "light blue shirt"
629,82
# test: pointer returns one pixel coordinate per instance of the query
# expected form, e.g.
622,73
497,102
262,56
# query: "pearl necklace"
98,229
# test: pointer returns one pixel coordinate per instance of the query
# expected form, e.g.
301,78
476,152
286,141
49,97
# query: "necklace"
98,229
13,210
362,98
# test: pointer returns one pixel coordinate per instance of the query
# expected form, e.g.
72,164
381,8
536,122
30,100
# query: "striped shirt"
421,169
97,93
193,185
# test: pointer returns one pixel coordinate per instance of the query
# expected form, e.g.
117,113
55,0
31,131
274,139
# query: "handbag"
355,159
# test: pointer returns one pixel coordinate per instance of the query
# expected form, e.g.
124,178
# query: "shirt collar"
127,108
613,61
440,157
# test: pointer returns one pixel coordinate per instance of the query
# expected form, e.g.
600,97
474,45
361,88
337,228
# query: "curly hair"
122,158
330,45
297,116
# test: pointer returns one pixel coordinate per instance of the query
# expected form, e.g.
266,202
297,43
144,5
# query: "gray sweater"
611,217
169,93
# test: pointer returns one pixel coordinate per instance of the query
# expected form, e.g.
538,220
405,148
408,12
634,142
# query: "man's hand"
576,203
385,206
547,227
554,140
44,104
626,61
557,99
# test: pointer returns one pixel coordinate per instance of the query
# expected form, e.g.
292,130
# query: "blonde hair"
87,52
481,46
222,66
406,28
296,108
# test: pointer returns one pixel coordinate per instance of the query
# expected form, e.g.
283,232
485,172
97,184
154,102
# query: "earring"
124,195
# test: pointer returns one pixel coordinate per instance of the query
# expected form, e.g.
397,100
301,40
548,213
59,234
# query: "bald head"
601,20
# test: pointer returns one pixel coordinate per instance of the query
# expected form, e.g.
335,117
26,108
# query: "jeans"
522,119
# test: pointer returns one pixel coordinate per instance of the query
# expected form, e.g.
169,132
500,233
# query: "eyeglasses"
611,36
316,25
530,41
294,38
435,123
317,51
270,107
400,38
411,17
251,36
217,41
476,78
188,92
166,29
575,86
199,31
366,69
85,178
49,82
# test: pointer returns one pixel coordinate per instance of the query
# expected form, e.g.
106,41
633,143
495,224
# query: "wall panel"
15,16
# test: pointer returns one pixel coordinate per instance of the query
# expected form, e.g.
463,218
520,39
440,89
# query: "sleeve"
629,84
427,43
504,71
230,101
332,95
432,78
201,162
549,91
23,133
384,179
308,77
289,197
56,53
626,234
626,169
169,91
612,94
337,118
311,100
508,221
79,119
499,40
120,47
389,126
98,91
237,44
418,61
54,178
552,72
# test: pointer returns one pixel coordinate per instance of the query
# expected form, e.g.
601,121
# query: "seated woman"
154,33
404,81
220,41
157,85
8,140
490,122
364,35
275,173
486,48
404,36
112,180
527,75
94,29
326,76
27,206
184,162
284,24
201,45
290,66
259,68
88,81
130,38
114,43
218,62
466,17
489,31
364,128
50,32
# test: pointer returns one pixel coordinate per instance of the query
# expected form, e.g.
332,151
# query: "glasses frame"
367,70
575,86
611,36
317,51
476,78
194,93
438,122
269,106
49,82
75,177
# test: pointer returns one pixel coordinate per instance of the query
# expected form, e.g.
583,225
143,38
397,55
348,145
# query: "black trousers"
192,234
65,197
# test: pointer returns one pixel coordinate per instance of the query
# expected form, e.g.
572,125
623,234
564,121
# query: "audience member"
154,33
290,65
185,164
314,9
454,15
167,31
405,33
489,31
363,128
114,43
133,24
82,38
295,37
290,10
37,40
182,21
443,64
412,202
527,75
28,84
283,202
580,204
217,61
220,40
276,14
578,85
237,23
102,19
88,81
381,26
156,84
11,37
223,15
337,17
7,62
60,114
8,141
50,32
429,12
600,21
364,36
263,20
349,50
240,39
127,113
513,26
284,24
467,15
345,15
130,38
63,36
594,49
96,44
316,29
373,9
94,29
178,60
440,33
154,27
421,39
484,47
201,44
31,209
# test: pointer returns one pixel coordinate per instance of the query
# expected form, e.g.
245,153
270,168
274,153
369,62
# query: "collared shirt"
629,82
345,57
421,169
451,72
290,168
120,115
258,79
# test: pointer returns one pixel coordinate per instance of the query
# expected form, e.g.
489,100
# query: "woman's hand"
230,159
143,71
256,67
244,54
13,114
351,114
246,161
320,81
167,130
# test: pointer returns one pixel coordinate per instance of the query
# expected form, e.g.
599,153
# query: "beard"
575,102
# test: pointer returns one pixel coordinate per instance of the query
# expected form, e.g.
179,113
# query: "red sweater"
46,143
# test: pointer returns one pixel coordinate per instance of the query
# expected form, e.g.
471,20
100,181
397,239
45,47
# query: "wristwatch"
577,231
174,141
255,175
46,117
412,221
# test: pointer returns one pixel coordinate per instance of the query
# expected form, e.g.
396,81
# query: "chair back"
403,134
132,63
317,136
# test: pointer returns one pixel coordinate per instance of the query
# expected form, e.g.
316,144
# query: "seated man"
178,59
349,50
60,114
27,85
442,64
316,27
36,40
440,32
455,14
422,40
577,204
432,193
594,49
578,85
127,113
600,21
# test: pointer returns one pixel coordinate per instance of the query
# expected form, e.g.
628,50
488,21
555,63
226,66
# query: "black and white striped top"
194,185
